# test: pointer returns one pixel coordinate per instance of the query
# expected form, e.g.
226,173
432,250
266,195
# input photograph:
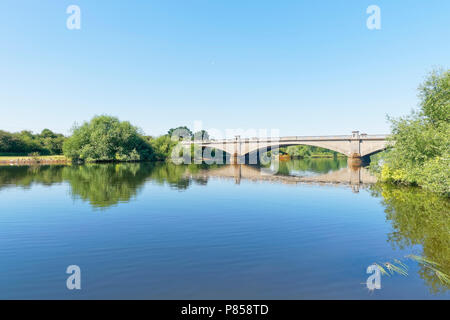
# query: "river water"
301,229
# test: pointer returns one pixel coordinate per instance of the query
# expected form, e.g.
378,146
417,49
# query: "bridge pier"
355,146
237,173
234,158
355,178
354,162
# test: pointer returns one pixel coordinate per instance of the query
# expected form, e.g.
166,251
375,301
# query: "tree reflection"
170,174
102,185
322,165
421,218
25,176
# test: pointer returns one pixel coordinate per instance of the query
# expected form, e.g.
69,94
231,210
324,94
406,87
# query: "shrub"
106,138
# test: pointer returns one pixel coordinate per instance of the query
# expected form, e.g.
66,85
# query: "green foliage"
106,138
52,142
201,135
162,147
390,268
303,151
421,141
298,151
180,132
435,97
25,142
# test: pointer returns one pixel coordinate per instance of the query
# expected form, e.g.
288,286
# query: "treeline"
25,142
105,138
309,152
420,153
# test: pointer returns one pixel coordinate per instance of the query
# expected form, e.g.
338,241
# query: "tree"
10,143
435,97
182,132
26,142
105,138
201,135
53,142
162,147
421,152
47,133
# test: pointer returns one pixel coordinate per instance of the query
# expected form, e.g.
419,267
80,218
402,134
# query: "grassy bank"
33,159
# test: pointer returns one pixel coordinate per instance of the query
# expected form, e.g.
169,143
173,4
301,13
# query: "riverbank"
60,159
30,160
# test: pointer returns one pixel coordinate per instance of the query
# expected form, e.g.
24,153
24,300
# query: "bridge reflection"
353,176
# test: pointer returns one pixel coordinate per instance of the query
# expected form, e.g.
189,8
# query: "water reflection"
106,185
417,217
293,172
308,167
24,176
103,185
421,218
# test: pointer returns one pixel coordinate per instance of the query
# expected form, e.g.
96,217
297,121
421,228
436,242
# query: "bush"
421,141
106,138
162,147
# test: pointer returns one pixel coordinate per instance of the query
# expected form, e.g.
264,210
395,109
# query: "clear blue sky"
304,67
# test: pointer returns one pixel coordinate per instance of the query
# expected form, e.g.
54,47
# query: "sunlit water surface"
160,231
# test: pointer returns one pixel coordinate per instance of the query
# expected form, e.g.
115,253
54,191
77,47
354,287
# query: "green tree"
435,97
180,132
162,147
421,141
201,135
52,142
11,143
26,142
105,138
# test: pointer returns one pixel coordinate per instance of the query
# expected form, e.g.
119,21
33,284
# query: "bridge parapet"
292,138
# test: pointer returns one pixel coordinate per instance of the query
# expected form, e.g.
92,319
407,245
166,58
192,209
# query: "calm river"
303,229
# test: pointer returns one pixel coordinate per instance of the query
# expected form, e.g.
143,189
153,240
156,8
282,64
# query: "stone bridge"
354,146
